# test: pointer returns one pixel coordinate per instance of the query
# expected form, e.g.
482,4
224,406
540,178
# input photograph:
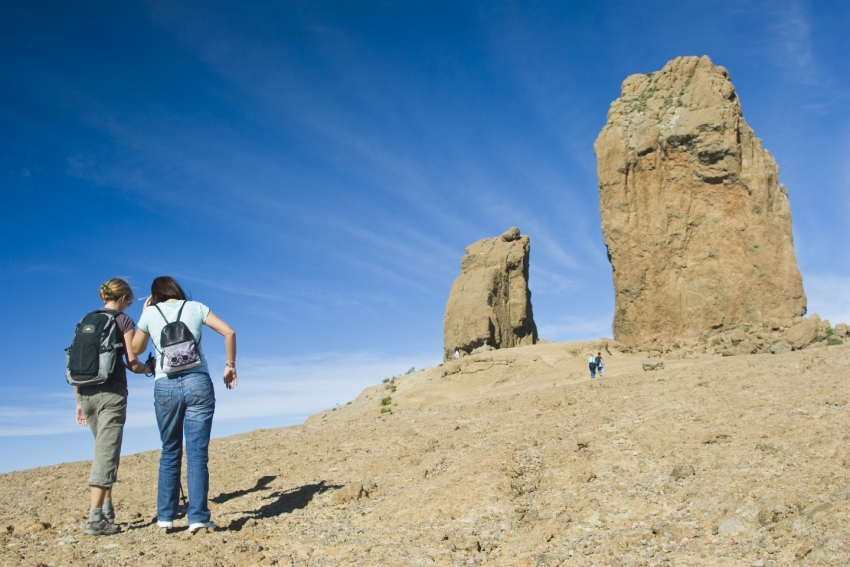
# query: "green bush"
386,401
716,342
830,332
833,342
386,410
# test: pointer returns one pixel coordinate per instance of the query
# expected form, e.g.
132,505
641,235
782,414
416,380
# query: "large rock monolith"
489,306
697,227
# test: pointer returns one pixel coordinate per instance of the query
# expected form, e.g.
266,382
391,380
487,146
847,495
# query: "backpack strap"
178,312
181,310
161,313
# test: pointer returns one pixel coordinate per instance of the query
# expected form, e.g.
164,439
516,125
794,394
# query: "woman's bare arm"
223,329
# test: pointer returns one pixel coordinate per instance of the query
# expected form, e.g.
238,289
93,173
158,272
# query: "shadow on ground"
262,482
284,502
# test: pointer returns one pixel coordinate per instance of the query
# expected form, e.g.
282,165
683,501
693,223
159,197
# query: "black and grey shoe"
103,527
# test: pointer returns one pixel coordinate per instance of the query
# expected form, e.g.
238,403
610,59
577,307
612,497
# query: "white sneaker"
201,525
167,524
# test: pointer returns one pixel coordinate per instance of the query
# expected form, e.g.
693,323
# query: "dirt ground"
510,457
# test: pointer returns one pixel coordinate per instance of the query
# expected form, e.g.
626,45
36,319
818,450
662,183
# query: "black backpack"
180,350
96,349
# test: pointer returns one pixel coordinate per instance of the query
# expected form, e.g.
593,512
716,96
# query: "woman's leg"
106,412
200,398
169,408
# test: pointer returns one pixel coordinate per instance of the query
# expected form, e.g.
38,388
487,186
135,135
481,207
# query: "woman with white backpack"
184,397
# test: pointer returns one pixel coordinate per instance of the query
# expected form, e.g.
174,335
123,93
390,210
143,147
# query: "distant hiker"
457,352
599,366
591,362
95,369
184,397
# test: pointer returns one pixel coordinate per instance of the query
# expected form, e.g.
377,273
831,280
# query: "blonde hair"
115,289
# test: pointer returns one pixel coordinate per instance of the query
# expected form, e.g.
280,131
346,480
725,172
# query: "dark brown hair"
164,288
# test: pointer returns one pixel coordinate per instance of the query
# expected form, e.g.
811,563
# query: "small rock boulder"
653,364
780,347
730,526
351,491
803,333
682,471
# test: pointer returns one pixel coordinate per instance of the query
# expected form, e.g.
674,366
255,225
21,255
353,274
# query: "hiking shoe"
103,527
167,524
201,525
109,516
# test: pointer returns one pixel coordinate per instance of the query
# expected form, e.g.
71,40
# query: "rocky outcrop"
489,306
698,229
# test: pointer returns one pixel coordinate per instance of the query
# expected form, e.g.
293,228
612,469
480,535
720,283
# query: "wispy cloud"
271,387
829,296
576,329
790,30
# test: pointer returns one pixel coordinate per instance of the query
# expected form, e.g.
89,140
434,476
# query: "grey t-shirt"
194,315
125,323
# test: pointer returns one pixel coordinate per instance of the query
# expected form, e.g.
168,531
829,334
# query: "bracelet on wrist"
230,364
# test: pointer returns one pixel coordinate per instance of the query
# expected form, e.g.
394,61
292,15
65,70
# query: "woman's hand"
81,419
147,302
230,380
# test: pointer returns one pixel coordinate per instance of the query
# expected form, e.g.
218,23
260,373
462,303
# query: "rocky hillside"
508,457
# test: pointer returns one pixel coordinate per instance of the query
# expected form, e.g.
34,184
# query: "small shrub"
716,342
386,401
833,342
410,371
736,342
348,404
386,380
386,410
746,329
830,332
677,346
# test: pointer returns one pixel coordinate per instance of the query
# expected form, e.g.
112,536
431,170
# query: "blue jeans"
184,403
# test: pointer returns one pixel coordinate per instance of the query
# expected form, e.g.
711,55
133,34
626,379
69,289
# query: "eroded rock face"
698,229
489,306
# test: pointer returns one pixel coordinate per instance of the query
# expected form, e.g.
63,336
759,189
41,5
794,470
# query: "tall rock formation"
697,228
490,304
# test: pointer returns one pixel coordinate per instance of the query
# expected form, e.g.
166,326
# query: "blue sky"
314,170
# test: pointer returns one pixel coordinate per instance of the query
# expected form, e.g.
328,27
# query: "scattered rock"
489,305
767,516
730,526
351,491
697,228
802,551
653,364
841,330
803,333
682,471
780,347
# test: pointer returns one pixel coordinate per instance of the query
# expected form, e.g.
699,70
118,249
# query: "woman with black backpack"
103,406
184,394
